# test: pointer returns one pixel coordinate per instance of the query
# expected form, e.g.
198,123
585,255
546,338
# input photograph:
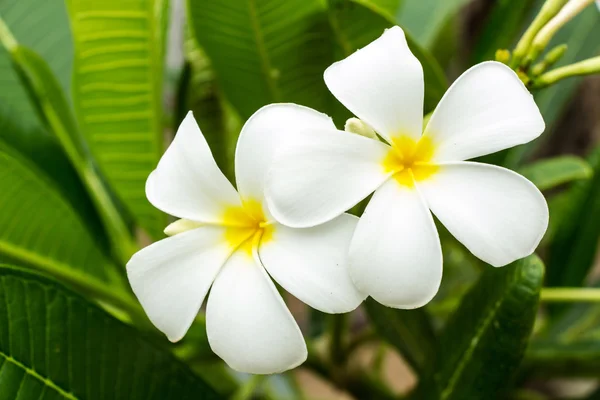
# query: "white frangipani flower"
395,253
228,238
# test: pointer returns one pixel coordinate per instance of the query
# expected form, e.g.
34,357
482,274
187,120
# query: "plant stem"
339,323
568,295
585,67
543,37
548,10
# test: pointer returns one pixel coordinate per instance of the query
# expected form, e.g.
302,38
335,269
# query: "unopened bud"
180,226
355,125
503,56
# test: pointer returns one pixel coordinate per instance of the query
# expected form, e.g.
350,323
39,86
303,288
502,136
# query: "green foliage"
56,345
573,248
44,27
409,331
117,90
38,227
485,339
549,173
425,19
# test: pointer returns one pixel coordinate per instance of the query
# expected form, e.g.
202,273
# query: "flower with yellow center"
228,241
395,254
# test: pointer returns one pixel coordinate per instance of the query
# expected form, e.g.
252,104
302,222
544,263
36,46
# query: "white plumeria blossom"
227,239
395,254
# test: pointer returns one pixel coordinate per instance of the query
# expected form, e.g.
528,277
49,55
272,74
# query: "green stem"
543,37
548,10
339,323
568,295
585,67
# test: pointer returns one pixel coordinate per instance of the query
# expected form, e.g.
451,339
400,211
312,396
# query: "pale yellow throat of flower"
409,160
246,226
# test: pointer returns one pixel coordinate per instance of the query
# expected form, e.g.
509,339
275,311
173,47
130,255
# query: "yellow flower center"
410,160
247,226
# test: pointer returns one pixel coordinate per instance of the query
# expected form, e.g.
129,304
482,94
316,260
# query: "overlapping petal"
395,254
382,84
317,180
171,277
248,324
187,182
269,130
311,264
496,213
487,109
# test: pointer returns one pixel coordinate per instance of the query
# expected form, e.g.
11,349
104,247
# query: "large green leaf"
484,340
409,331
42,149
265,51
117,91
38,227
574,244
42,26
546,174
355,23
55,111
56,345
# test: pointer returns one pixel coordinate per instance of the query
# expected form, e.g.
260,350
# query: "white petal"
269,130
486,109
496,213
171,277
382,84
248,324
395,255
317,180
187,182
311,264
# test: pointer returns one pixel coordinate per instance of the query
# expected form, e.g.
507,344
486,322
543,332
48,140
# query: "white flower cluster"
296,176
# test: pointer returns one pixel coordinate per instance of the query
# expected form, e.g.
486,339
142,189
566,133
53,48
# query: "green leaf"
117,90
409,331
43,150
44,27
199,91
356,23
265,51
55,110
54,344
549,173
424,19
573,248
570,346
485,339
38,227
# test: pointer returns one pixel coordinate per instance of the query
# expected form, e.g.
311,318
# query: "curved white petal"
311,264
187,182
317,180
395,254
268,131
486,109
496,213
171,277
180,226
247,322
382,84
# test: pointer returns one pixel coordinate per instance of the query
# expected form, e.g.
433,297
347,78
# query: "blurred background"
129,74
